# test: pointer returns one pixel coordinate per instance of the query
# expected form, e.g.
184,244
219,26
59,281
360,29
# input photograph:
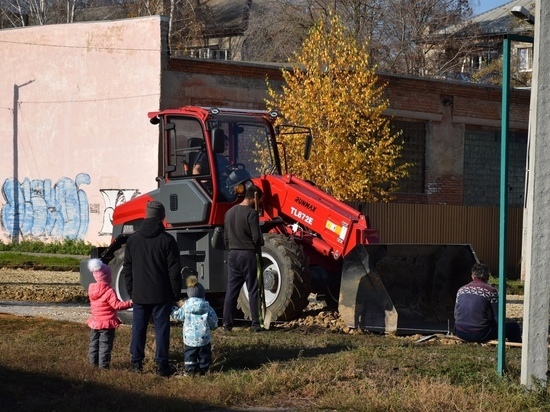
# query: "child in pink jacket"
103,321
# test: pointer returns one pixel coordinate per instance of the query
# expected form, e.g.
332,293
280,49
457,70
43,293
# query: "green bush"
513,287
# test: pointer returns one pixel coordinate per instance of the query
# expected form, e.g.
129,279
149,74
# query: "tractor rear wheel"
286,279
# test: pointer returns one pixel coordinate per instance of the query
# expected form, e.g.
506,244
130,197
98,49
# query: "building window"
413,136
482,167
525,59
210,53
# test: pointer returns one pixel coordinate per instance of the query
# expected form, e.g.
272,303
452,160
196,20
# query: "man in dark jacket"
476,310
243,239
153,279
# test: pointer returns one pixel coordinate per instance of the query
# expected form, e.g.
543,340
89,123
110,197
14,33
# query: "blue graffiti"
36,209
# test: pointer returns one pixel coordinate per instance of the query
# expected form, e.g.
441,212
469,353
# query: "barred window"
482,167
413,137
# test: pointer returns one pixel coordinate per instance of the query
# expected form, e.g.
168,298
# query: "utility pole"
534,354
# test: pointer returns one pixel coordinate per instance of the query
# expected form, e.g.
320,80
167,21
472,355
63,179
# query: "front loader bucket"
403,288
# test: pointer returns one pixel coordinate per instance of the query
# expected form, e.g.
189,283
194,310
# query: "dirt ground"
40,286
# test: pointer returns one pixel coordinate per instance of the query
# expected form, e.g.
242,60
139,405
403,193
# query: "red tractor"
313,242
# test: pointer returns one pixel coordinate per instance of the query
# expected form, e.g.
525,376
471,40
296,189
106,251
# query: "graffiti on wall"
38,209
113,198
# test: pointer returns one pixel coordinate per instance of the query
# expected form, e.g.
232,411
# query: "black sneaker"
137,367
166,370
256,329
227,328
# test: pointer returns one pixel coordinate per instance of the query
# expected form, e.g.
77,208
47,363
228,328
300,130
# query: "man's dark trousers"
242,269
512,333
161,319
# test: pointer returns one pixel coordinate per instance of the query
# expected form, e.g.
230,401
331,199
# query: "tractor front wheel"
286,279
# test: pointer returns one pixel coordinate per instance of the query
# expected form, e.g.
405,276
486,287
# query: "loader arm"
336,227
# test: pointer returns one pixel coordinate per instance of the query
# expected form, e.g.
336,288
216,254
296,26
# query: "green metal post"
503,205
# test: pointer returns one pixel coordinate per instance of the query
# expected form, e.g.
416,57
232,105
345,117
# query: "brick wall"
444,189
447,109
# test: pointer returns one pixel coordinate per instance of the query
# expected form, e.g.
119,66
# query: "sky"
481,6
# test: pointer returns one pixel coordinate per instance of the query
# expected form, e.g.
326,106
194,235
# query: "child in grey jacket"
198,319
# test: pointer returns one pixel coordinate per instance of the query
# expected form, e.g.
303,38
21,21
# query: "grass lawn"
43,366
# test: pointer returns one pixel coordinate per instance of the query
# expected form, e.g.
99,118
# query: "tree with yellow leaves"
332,89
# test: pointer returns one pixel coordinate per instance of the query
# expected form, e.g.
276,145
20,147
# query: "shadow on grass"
26,391
261,352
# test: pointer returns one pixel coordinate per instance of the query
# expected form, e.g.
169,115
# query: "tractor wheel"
119,283
286,279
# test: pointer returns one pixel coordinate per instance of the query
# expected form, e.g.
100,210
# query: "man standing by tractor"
153,280
243,239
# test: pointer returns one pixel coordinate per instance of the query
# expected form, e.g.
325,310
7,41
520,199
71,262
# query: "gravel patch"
41,293
59,311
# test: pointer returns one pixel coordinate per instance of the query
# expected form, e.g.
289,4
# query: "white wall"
74,133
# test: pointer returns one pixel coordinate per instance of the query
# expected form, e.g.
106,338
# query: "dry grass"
43,366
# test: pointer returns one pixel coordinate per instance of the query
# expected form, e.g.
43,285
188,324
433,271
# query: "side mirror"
307,146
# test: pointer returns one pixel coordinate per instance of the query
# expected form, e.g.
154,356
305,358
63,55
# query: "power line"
87,47
88,100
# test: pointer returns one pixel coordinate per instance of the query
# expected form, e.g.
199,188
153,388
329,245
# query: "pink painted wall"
74,132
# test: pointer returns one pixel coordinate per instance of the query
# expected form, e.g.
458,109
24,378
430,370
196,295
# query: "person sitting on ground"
198,319
476,310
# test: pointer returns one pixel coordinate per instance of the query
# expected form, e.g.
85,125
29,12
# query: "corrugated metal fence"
478,226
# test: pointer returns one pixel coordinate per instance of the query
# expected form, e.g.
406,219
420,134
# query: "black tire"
118,283
286,279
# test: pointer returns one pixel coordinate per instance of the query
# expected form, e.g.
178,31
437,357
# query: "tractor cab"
207,153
